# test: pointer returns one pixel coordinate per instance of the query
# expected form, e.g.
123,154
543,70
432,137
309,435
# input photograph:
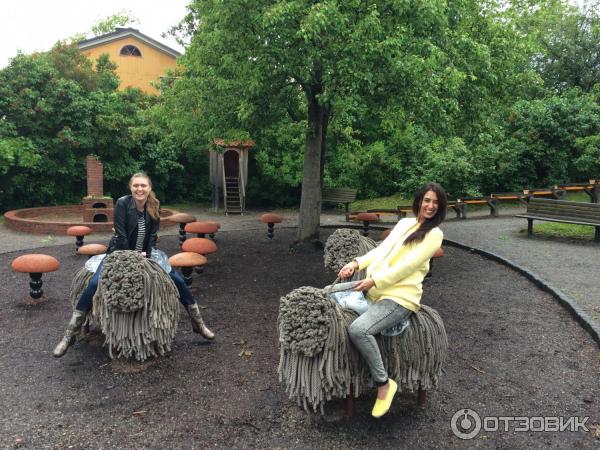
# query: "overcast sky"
35,25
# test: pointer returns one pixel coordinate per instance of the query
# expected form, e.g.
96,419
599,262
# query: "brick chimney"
95,177
96,207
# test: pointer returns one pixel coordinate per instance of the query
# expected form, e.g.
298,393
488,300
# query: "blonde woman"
136,222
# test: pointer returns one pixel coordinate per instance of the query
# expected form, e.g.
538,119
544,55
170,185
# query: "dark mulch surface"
513,352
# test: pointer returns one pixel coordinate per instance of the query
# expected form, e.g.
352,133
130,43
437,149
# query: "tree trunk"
310,201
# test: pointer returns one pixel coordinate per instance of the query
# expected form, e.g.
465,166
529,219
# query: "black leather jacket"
125,224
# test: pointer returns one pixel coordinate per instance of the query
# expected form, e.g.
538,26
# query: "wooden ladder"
234,203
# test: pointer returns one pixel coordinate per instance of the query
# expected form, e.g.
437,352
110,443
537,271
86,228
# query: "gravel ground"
512,352
567,264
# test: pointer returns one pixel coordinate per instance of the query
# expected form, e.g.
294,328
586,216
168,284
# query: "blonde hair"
152,204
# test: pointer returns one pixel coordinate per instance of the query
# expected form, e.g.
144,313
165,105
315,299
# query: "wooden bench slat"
564,212
339,195
573,220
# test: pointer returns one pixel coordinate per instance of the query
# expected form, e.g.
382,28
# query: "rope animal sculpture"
318,363
136,305
343,246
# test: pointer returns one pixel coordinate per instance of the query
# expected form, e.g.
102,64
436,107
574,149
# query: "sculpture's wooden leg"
421,396
349,406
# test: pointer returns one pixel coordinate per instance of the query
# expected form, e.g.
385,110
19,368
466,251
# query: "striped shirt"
141,234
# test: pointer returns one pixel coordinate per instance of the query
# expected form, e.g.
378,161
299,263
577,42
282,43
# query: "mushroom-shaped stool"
199,245
366,219
92,249
182,219
79,231
270,219
186,261
212,235
35,265
202,228
438,254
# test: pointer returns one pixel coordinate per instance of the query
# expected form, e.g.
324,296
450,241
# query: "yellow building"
140,59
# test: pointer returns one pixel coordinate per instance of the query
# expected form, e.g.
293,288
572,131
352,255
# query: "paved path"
570,266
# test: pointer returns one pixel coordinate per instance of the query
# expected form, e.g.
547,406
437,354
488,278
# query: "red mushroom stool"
35,265
438,254
79,231
385,233
181,219
92,249
270,219
366,219
212,235
186,261
202,228
199,245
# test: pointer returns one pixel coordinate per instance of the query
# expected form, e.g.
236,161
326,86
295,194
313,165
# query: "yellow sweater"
398,270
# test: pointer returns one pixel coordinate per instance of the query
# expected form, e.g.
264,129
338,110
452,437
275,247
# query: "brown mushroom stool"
79,231
186,261
199,245
438,254
202,228
35,265
92,249
212,235
366,219
385,233
270,219
181,219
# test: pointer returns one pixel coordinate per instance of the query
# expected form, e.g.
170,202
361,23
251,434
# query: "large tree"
251,62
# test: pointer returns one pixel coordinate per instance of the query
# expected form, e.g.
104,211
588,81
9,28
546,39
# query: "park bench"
557,194
339,195
591,188
510,196
578,213
461,205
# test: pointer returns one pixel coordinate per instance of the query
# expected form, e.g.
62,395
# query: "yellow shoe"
383,406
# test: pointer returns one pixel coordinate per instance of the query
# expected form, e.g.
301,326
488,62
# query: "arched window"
130,50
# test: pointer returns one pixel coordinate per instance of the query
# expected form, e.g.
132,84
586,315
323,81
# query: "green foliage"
55,109
110,23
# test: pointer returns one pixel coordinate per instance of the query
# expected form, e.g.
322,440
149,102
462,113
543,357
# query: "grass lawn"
380,203
564,230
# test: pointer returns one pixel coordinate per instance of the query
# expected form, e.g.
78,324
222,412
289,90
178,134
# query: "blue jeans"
86,300
380,316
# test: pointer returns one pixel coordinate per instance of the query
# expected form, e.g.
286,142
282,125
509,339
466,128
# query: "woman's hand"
365,285
348,270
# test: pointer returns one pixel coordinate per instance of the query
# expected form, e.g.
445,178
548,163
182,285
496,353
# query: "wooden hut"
229,173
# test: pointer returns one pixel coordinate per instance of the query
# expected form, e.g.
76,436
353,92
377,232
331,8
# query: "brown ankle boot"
73,329
197,323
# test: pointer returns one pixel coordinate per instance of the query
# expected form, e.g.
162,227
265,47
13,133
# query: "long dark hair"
428,224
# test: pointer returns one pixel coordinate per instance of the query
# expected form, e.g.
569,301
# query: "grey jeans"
380,316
